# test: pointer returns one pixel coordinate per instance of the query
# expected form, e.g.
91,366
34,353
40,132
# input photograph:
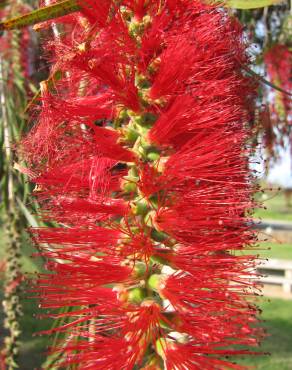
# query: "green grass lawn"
277,314
273,250
276,208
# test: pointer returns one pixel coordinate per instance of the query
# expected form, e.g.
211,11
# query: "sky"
281,172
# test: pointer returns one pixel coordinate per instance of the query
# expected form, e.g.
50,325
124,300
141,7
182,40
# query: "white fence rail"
277,273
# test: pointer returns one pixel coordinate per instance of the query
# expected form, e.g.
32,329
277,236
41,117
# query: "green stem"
265,82
40,15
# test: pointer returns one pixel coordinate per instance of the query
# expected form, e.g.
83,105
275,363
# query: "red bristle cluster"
141,157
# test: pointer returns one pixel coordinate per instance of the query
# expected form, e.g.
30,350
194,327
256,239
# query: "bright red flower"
141,157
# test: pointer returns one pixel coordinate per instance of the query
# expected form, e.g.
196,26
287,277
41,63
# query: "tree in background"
270,29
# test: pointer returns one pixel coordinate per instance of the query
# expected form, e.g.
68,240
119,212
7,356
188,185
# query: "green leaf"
32,221
41,15
250,4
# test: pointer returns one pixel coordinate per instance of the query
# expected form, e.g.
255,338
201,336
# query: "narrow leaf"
251,4
266,82
50,82
32,221
41,15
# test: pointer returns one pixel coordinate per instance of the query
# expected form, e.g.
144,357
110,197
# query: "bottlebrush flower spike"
141,157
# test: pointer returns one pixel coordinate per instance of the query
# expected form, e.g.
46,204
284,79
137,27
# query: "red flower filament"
141,159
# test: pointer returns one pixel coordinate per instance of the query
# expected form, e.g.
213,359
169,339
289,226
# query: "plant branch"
40,15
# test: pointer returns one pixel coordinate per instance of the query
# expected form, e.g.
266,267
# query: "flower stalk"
140,157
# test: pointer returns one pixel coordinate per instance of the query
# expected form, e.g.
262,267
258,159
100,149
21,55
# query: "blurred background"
23,64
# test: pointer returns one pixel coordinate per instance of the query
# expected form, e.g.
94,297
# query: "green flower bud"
158,236
140,269
152,156
137,295
131,135
129,187
159,259
141,207
155,281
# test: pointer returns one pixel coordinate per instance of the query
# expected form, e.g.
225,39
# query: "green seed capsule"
137,295
153,156
155,281
141,207
131,135
159,259
140,269
158,236
123,114
129,187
